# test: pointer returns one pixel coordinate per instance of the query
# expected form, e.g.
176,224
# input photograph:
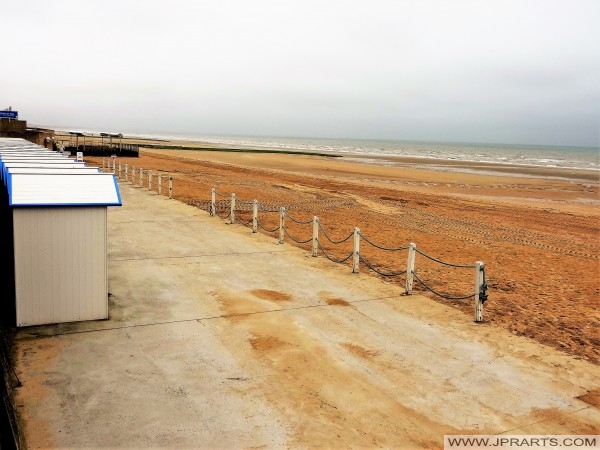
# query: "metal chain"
271,208
222,204
268,207
381,248
295,240
243,222
267,230
445,263
374,269
447,297
332,241
483,295
221,217
331,258
298,221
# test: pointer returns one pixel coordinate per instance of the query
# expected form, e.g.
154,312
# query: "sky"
496,71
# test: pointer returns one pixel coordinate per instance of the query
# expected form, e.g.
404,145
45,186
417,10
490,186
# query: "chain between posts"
480,294
123,171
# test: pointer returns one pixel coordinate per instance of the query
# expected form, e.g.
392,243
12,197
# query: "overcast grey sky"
501,71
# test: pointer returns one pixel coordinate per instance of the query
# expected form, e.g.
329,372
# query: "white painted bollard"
119,171
141,177
315,239
149,180
132,174
410,268
213,197
113,165
356,257
232,213
159,184
281,224
479,287
126,173
170,187
255,216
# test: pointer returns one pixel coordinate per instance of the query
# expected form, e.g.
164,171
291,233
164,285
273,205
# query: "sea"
565,157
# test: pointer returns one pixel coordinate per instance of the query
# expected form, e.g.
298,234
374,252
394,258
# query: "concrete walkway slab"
220,338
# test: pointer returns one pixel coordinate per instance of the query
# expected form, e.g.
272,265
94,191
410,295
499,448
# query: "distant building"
18,129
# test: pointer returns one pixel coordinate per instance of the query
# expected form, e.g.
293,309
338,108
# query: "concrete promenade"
220,338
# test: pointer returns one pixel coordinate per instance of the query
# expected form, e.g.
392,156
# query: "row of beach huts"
53,218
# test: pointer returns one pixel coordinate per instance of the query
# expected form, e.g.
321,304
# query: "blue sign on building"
9,114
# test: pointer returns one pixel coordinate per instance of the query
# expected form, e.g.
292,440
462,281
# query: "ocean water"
565,157
526,155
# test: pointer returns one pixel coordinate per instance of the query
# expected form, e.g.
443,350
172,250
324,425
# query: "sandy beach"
536,229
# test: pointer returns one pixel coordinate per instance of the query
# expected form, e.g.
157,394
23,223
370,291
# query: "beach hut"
55,240
69,164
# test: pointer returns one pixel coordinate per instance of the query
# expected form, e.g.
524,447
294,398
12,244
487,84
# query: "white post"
103,164
113,165
170,187
410,268
126,173
119,170
149,180
315,240
232,219
356,258
141,177
132,174
479,272
255,216
281,224
213,196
